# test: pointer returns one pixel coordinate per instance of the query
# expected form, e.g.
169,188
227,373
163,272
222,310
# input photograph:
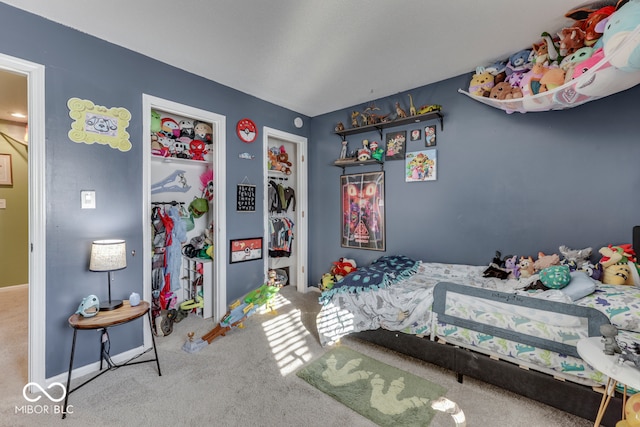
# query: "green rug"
386,395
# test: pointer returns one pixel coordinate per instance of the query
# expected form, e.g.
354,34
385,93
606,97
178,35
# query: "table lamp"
108,255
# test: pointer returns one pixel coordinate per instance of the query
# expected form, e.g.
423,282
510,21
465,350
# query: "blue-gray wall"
515,183
518,183
81,66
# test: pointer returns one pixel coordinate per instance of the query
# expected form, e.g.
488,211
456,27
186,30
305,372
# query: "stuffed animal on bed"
343,267
545,261
526,267
511,265
619,265
576,259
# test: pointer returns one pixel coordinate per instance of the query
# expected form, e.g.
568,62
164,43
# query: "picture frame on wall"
415,135
430,136
6,173
363,214
395,143
421,166
245,250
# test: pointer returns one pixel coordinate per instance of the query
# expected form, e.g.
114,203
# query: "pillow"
555,277
580,286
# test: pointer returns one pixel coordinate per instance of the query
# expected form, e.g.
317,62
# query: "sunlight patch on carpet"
384,394
287,338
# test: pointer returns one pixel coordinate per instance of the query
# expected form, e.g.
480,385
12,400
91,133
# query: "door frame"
301,225
37,213
219,215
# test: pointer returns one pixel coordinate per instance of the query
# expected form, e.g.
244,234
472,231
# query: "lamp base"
111,305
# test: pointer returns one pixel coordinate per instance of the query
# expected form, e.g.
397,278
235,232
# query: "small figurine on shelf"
354,119
376,152
343,151
400,112
339,127
364,153
412,108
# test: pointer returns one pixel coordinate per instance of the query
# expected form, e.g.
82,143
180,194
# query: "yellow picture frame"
98,124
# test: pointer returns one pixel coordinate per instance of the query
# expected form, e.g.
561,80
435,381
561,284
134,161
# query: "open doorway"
35,246
290,217
14,225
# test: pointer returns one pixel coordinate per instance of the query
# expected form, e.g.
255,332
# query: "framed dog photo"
430,136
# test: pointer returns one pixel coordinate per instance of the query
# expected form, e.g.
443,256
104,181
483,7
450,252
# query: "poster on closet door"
246,198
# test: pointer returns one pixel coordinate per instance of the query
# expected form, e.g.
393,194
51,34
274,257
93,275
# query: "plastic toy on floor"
238,312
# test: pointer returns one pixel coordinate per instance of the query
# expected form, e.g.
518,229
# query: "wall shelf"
383,125
355,162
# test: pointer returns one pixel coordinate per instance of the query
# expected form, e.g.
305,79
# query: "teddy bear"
504,90
283,160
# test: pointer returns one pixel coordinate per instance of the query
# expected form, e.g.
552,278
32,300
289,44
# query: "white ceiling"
315,56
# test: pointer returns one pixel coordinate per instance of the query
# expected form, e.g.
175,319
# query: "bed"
493,330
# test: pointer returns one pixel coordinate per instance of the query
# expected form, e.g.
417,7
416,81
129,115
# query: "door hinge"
31,247
302,158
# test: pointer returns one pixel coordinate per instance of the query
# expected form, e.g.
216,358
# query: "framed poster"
6,175
246,249
362,207
421,166
395,145
246,198
430,136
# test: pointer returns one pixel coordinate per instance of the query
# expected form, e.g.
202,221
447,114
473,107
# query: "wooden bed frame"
567,396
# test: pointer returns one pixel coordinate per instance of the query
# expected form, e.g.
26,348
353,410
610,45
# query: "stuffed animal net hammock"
617,71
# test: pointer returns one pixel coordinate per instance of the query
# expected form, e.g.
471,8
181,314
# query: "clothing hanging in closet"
280,237
281,198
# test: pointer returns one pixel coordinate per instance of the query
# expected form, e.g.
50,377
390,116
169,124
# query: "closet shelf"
179,160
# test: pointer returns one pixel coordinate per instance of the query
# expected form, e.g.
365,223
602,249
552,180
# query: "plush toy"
504,90
545,261
545,52
569,63
530,83
283,159
619,265
343,267
576,259
625,56
327,282
156,123
481,82
584,66
519,62
170,127
526,267
593,27
203,132
511,265
571,39
186,128
498,70
553,78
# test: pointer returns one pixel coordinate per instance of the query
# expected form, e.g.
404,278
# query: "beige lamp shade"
108,255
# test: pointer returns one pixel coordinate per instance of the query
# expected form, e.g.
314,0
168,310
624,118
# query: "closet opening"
184,211
285,208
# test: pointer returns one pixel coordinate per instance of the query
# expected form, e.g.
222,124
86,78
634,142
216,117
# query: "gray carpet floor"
246,378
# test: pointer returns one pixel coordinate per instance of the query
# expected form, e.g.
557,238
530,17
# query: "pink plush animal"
511,265
545,261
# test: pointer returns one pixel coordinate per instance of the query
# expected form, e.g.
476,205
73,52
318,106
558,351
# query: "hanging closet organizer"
603,79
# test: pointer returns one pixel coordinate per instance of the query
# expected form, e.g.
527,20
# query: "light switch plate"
3,203
88,199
